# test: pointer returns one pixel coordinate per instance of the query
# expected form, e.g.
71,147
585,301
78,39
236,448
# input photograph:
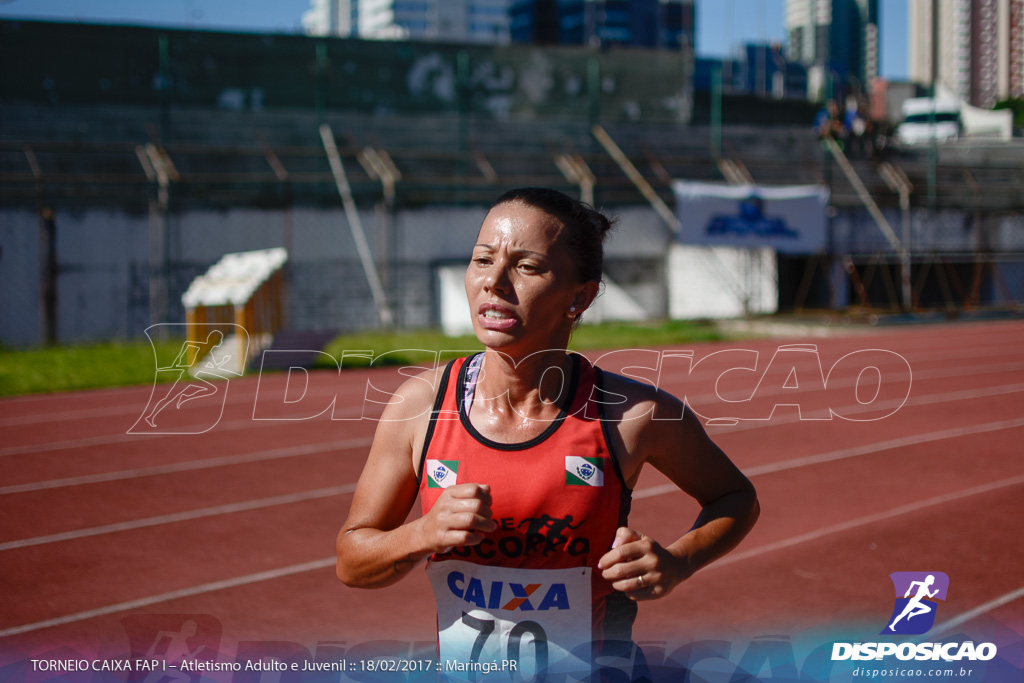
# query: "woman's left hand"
639,567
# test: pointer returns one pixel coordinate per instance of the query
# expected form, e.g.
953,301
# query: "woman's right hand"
461,516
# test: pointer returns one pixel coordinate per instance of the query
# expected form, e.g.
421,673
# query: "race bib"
519,623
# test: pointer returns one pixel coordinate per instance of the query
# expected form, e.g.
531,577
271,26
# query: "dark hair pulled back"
585,227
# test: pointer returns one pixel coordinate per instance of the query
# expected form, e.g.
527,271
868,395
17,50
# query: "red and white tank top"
532,586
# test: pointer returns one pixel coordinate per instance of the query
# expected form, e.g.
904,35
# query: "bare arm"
376,547
681,450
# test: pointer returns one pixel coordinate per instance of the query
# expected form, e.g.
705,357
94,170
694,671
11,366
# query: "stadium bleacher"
233,121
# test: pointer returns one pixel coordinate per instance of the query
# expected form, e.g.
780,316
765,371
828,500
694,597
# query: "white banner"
788,219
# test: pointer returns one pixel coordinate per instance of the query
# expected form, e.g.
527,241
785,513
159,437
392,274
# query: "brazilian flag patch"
580,471
441,473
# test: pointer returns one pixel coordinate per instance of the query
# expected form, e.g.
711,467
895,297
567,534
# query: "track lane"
843,578
29,468
147,559
105,503
976,345
234,605
807,587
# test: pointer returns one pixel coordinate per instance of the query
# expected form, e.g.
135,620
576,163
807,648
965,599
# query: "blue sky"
725,23
721,24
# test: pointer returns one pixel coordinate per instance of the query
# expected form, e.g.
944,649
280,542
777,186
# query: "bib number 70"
485,629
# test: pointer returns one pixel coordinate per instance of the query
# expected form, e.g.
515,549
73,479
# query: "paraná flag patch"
442,473
580,471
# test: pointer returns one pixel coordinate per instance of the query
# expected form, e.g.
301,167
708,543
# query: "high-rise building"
977,47
838,37
1015,60
940,43
640,23
331,18
485,21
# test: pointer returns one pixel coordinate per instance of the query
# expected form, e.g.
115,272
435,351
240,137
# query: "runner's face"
522,281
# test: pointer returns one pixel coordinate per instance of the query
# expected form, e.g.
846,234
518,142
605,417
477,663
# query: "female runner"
525,457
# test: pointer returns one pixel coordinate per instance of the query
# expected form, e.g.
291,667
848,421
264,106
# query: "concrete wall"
103,263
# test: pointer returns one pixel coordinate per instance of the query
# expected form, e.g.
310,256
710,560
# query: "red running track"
107,534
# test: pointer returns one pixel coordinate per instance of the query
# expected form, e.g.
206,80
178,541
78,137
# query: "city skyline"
723,26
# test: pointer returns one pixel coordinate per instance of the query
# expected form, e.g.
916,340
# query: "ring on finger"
640,581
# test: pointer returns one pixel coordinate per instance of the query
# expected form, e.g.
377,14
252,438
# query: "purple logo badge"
916,596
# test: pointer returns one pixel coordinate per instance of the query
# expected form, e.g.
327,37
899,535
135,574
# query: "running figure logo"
198,376
172,639
550,527
916,595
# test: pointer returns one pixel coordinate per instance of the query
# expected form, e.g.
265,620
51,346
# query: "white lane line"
863,521
972,351
749,424
172,595
356,409
971,614
889,444
189,466
75,394
108,439
959,371
639,494
808,390
360,443
69,415
113,411
650,492
852,452
187,430
110,411
892,406
970,371
330,561
171,518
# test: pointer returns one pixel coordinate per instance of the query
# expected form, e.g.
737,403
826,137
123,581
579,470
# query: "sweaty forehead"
520,226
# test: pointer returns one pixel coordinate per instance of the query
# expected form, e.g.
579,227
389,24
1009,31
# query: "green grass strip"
70,368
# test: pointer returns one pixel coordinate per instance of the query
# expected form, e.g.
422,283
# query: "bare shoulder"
402,427
388,483
637,404
647,423
415,396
